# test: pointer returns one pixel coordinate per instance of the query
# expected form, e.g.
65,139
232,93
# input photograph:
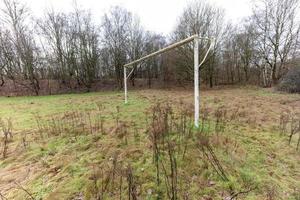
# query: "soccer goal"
194,38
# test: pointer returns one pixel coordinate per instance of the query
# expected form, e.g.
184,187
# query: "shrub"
291,81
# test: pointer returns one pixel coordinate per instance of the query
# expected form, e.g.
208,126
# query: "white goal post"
194,38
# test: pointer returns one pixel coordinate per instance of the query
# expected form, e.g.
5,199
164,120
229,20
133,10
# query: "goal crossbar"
194,38
172,46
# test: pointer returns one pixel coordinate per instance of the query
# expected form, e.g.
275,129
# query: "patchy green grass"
22,109
61,166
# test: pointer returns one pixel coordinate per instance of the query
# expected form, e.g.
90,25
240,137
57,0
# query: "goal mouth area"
194,38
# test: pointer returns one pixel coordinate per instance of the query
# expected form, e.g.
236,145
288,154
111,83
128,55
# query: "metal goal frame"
194,38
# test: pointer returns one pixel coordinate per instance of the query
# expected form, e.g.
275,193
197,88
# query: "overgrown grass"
66,165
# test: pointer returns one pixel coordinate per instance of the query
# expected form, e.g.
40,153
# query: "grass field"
92,146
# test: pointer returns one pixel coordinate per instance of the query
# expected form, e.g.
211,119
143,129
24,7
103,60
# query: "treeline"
71,48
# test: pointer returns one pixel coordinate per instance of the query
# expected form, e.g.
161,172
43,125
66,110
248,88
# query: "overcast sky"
156,15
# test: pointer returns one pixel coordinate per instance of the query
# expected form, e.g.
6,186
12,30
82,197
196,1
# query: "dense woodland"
73,51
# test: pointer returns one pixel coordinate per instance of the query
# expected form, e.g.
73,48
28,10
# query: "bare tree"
73,42
19,47
230,55
136,44
115,27
53,31
86,48
245,45
277,31
237,53
2,64
152,67
207,21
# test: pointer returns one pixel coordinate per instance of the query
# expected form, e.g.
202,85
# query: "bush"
291,81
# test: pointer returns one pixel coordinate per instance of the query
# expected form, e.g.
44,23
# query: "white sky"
156,15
